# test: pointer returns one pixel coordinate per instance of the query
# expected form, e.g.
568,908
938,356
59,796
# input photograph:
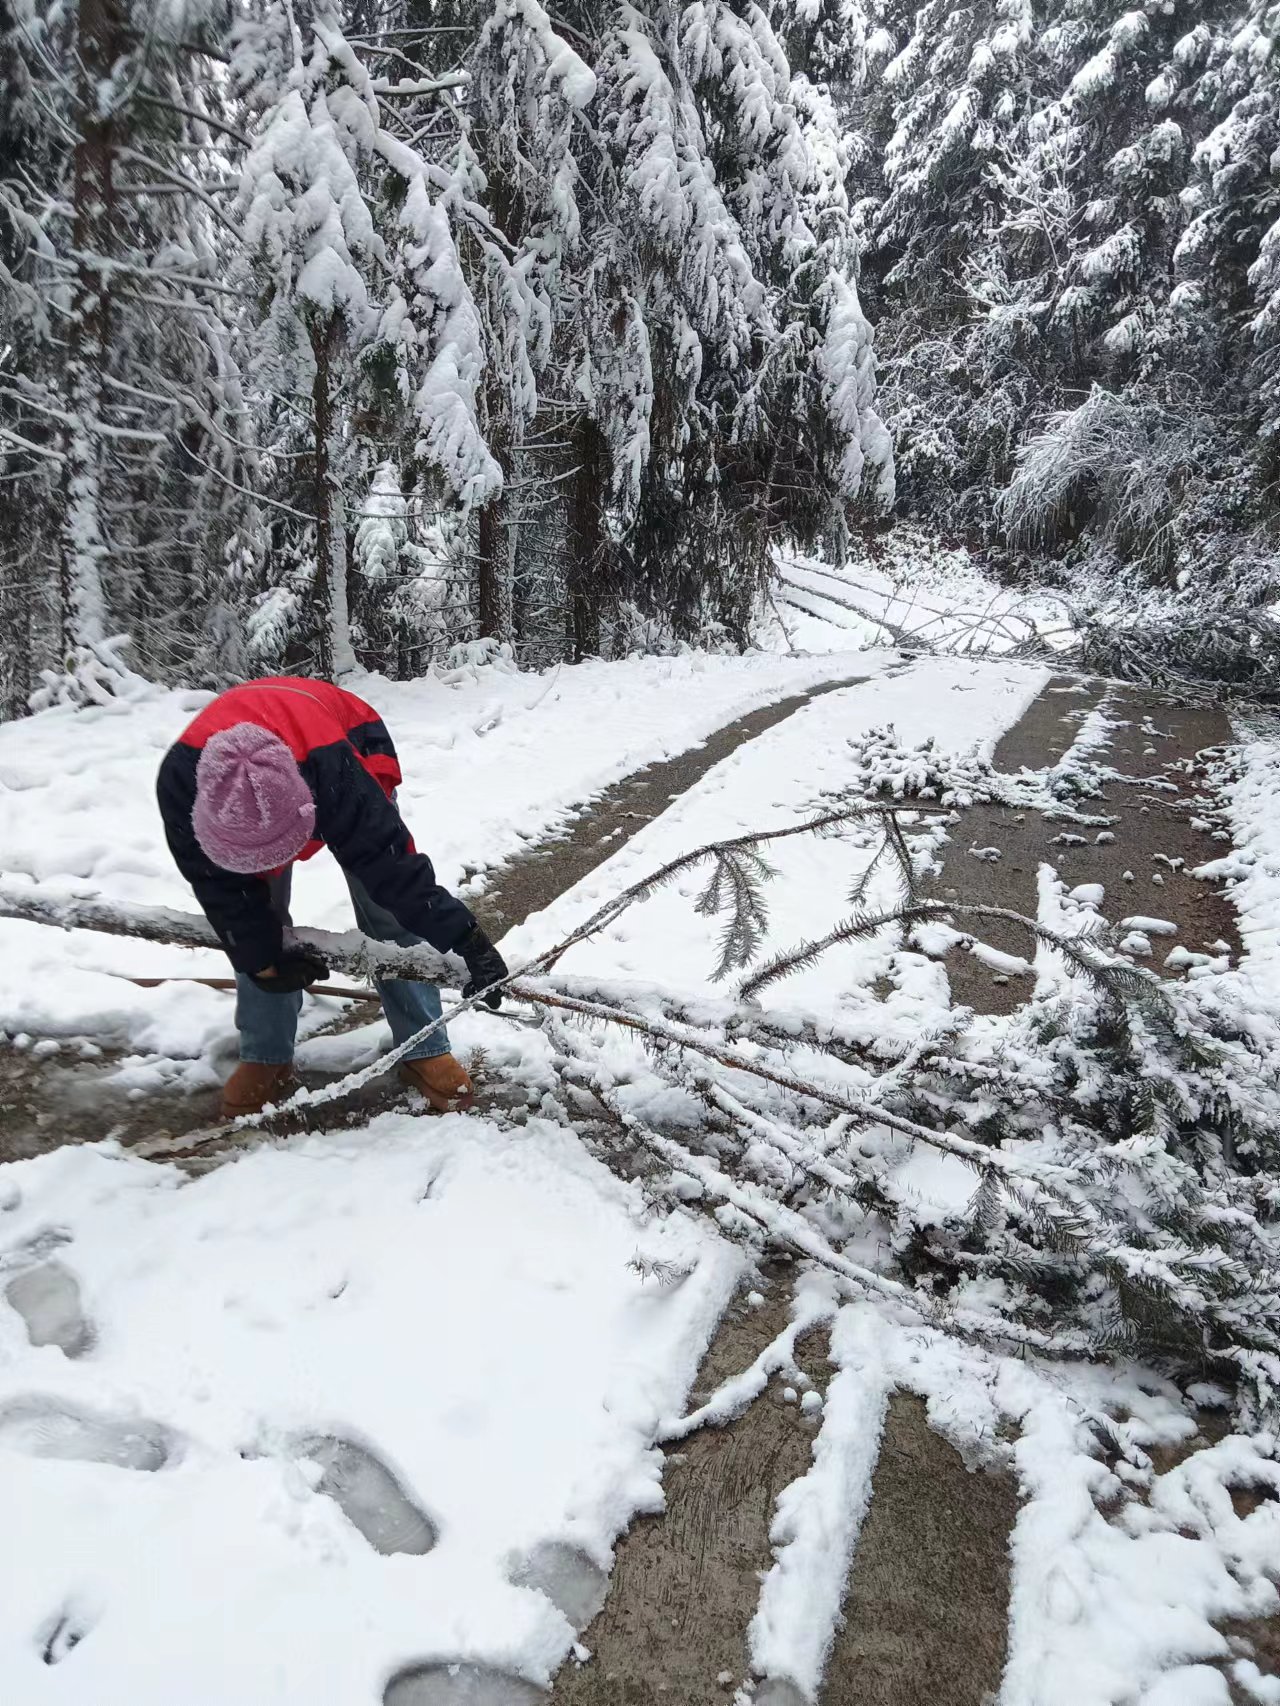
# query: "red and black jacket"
348,761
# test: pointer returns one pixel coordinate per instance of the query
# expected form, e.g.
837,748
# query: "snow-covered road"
780,778
460,1301
388,1398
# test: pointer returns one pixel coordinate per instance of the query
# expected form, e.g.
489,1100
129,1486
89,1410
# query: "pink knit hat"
253,811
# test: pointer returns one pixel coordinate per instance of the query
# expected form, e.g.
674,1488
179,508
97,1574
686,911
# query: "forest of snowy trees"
364,331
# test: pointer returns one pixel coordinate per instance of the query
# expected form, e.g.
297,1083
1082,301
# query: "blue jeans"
268,1024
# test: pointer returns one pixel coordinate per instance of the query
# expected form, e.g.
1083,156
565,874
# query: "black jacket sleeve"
366,835
239,908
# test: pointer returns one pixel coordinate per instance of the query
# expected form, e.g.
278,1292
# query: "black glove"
485,965
294,969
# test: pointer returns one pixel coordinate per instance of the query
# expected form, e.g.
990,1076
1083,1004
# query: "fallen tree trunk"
1173,1259
340,991
349,952
357,956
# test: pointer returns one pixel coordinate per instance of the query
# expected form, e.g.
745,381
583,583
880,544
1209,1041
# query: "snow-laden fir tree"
118,400
311,240
587,281
1065,209
697,364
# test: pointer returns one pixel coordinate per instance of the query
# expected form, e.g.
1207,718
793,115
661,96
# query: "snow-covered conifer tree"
699,357
529,86
311,236
112,318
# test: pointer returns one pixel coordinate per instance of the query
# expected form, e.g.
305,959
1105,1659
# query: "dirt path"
1143,859
927,1614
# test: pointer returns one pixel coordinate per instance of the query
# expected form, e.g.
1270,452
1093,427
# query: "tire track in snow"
529,884
1143,860
685,1584
926,1605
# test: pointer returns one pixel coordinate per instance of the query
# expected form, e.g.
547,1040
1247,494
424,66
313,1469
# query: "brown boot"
252,1085
442,1080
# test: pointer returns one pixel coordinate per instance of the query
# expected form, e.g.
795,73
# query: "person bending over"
267,774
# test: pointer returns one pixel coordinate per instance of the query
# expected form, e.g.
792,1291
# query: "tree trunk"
333,626
495,568
17,607
493,574
83,545
588,547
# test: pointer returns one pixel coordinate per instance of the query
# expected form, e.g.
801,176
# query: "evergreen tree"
418,325
1066,258
111,308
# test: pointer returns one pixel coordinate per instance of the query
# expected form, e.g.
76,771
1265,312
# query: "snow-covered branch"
1113,1221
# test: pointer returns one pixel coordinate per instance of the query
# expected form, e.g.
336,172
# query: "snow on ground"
818,1517
778,779
1113,1601
1251,869
456,1302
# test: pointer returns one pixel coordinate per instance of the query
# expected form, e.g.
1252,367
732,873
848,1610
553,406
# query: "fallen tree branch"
823,823
786,1227
354,955
1102,1135
228,983
1078,951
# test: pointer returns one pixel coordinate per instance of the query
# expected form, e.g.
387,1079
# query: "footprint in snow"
777,1691
368,1495
575,1585
46,1427
459,1685
62,1633
48,1299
